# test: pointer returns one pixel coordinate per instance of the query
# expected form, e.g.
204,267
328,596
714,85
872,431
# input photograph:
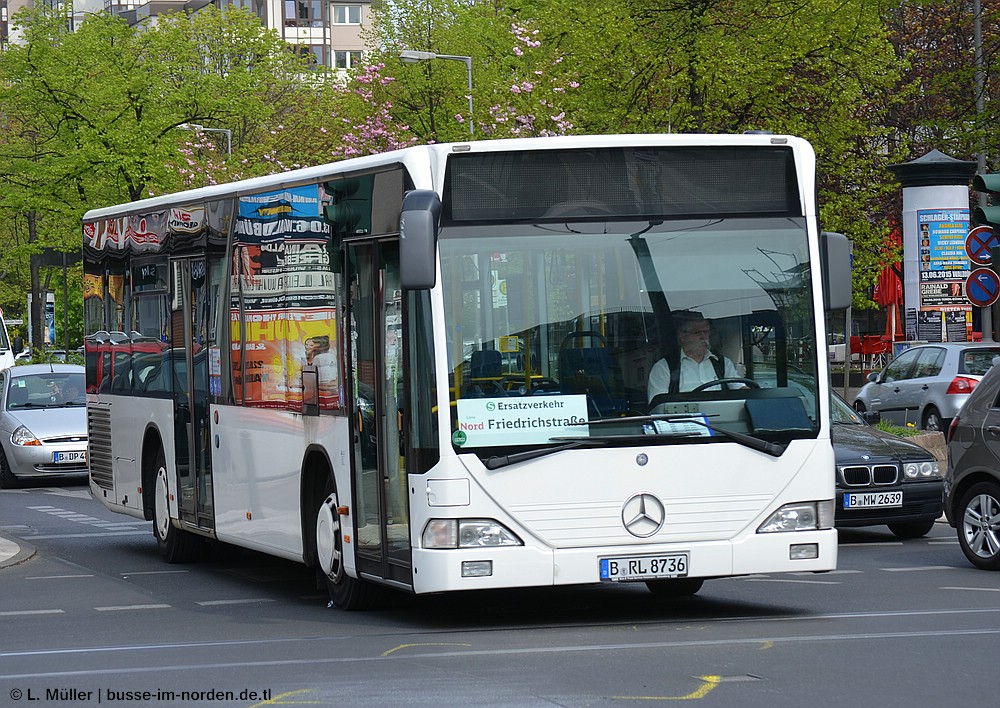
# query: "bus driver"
698,364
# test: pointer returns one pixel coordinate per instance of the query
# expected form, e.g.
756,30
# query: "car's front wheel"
979,525
8,480
912,529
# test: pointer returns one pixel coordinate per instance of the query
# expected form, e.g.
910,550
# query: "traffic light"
988,215
349,212
350,208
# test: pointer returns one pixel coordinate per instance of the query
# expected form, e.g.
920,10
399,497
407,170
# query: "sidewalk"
12,553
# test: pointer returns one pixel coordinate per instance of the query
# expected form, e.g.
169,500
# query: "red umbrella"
889,293
889,286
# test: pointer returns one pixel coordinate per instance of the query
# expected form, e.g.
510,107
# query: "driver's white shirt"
693,374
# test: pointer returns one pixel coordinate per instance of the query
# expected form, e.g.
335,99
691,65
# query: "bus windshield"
554,324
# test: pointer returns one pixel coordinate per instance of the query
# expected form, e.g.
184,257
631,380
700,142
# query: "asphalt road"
95,611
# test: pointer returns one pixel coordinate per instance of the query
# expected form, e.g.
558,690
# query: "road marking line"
12,613
977,589
57,577
116,608
153,572
922,567
783,580
247,601
708,683
88,535
829,572
425,644
871,545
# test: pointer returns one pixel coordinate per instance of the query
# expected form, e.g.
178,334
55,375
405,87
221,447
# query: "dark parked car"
926,385
972,484
882,478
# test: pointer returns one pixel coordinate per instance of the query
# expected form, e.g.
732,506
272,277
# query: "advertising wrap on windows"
283,297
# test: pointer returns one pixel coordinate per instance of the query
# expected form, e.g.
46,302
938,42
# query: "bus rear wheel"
346,592
176,545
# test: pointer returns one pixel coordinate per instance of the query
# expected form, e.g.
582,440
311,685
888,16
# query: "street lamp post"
197,127
409,56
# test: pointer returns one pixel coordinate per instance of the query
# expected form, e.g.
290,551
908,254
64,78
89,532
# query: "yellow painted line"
426,644
282,699
708,683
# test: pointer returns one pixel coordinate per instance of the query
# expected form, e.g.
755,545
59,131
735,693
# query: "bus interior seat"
486,364
588,370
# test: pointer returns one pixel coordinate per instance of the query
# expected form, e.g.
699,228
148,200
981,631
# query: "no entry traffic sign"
979,245
982,287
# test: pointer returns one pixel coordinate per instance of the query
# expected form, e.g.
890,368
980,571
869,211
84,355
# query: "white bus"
428,369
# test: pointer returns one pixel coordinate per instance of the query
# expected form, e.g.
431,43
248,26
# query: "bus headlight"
467,533
807,516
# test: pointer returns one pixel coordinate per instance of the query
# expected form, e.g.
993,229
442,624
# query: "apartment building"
329,30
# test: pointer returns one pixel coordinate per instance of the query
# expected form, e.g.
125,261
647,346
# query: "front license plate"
873,500
68,457
674,565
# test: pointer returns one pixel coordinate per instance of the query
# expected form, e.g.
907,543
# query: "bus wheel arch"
175,545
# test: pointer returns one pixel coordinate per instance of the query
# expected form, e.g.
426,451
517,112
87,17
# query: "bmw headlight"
24,437
922,470
467,533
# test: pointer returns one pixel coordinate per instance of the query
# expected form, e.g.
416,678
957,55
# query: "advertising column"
935,263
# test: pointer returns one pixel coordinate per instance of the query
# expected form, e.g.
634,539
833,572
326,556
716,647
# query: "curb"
23,552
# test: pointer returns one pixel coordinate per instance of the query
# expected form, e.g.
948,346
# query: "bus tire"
675,587
346,592
176,545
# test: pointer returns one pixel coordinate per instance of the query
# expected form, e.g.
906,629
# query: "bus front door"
190,310
375,318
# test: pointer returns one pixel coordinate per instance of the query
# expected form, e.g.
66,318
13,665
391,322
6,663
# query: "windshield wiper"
494,463
754,443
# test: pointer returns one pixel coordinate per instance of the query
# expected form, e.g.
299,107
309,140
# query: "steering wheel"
734,379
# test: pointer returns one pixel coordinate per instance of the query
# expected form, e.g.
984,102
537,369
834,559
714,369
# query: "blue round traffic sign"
982,287
979,245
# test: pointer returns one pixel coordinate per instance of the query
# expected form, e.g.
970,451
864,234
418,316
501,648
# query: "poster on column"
929,325
944,294
941,235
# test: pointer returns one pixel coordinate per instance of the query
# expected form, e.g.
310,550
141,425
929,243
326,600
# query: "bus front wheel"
176,546
346,592
675,587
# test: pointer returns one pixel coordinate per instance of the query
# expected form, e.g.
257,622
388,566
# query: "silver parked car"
43,423
972,482
926,385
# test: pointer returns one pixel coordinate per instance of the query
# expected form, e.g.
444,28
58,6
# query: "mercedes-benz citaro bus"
458,366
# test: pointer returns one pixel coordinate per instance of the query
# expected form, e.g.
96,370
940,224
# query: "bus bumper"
526,566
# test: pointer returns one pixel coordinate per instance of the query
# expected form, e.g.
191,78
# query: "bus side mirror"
418,231
835,251
18,345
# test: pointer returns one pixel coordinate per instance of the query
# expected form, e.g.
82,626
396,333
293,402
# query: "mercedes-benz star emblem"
643,515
